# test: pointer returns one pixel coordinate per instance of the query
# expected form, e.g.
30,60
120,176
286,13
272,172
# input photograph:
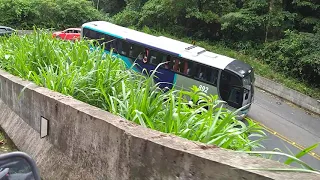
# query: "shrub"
296,55
47,13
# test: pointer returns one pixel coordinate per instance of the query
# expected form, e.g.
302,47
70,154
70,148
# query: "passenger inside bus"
176,65
167,64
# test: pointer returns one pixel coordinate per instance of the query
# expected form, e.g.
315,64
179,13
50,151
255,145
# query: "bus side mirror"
18,165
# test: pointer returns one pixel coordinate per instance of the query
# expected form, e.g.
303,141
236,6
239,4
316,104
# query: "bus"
184,65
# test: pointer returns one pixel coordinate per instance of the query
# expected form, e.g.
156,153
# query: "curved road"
289,127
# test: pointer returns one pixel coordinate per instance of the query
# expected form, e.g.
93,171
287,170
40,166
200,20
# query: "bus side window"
125,48
212,75
115,45
188,68
107,42
88,33
176,67
101,38
183,66
155,57
168,62
137,52
200,73
119,46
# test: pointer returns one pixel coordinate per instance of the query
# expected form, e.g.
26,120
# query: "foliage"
109,6
47,13
297,54
126,18
264,29
290,159
103,81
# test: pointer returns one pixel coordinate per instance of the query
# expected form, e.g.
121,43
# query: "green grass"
103,81
6,144
260,67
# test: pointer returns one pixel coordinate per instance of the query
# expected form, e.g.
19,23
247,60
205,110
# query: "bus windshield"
231,89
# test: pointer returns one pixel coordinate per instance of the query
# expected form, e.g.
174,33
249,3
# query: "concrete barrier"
85,142
291,95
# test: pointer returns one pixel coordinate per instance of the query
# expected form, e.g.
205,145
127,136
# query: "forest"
275,36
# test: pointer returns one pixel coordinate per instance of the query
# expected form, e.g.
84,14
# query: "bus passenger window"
184,67
153,59
114,45
89,34
188,68
140,56
176,65
131,51
200,72
101,39
145,55
207,74
125,48
169,63
156,57
119,46
137,52
213,76
107,42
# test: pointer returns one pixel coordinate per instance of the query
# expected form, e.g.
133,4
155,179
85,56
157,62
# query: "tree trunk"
200,7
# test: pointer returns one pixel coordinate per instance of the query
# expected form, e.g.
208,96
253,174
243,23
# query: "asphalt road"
289,127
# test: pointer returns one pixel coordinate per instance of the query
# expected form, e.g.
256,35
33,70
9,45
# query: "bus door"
248,86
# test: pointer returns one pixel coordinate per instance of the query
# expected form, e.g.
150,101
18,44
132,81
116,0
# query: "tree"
47,13
110,6
258,18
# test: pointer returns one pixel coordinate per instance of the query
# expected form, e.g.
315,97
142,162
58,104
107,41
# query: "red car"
68,34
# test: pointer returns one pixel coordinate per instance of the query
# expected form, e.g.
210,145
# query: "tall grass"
103,81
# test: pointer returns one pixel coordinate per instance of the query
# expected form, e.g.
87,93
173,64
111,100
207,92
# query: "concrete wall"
85,142
291,95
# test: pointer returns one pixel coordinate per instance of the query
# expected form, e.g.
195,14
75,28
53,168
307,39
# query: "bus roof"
175,47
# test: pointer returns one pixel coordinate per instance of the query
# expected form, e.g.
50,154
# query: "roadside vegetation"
280,39
103,81
6,144
56,14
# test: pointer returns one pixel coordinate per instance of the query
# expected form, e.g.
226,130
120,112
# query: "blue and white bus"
187,65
